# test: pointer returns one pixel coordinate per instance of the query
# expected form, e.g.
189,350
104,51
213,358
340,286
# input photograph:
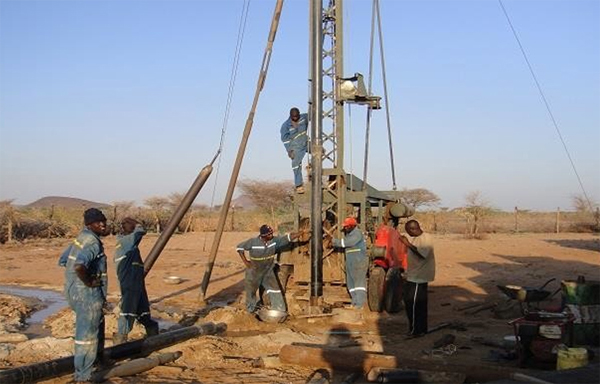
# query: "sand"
467,272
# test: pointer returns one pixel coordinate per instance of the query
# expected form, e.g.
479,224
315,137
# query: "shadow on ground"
193,287
586,244
528,271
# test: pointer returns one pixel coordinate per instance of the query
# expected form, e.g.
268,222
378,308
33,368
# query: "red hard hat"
349,222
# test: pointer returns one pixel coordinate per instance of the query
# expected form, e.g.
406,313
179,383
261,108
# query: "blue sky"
124,100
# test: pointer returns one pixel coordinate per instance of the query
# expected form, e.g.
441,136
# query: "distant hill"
65,202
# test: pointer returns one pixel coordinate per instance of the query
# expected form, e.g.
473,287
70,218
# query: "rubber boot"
151,328
118,338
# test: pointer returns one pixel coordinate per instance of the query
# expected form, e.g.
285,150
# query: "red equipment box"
538,333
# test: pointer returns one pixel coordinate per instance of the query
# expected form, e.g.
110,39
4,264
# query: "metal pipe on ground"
241,150
136,366
46,370
174,221
334,358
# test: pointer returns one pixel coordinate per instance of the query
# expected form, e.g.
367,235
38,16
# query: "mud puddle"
52,301
48,302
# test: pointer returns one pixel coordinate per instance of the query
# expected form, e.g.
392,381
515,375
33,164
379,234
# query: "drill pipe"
136,366
46,370
316,192
174,221
241,150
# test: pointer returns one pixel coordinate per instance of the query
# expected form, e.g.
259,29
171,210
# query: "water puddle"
47,303
51,302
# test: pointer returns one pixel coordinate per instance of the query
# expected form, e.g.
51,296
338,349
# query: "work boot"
119,338
151,328
300,189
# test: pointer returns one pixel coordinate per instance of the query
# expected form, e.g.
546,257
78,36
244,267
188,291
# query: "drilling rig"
333,194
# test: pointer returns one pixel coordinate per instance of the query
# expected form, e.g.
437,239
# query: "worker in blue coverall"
130,271
85,290
295,141
357,262
262,252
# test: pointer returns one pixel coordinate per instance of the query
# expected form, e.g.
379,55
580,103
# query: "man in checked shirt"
262,252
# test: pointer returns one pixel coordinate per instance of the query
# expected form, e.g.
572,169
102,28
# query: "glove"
291,154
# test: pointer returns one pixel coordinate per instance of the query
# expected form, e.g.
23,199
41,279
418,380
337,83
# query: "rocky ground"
467,273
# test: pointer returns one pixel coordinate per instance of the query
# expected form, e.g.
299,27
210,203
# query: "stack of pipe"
137,348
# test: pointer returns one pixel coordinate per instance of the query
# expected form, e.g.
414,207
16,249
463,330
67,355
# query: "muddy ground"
467,272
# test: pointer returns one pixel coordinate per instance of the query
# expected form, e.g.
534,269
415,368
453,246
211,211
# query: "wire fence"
519,221
21,224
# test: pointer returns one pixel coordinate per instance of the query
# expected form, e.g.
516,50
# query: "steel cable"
230,92
386,98
539,88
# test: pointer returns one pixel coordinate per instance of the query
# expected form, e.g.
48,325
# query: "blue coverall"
130,271
295,139
260,273
357,264
86,302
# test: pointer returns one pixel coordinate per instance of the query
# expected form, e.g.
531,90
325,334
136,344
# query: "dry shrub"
28,228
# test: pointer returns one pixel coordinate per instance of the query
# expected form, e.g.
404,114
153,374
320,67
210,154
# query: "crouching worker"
262,252
85,290
130,271
357,262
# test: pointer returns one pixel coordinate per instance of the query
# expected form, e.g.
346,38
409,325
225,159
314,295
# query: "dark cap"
93,215
265,230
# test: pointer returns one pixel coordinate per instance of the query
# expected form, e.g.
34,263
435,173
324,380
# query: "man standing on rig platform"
295,140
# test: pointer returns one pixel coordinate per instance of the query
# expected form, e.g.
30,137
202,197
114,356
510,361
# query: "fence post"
558,220
516,220
9,231
188,226
272,216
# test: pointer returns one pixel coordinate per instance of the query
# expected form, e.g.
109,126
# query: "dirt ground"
467,272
